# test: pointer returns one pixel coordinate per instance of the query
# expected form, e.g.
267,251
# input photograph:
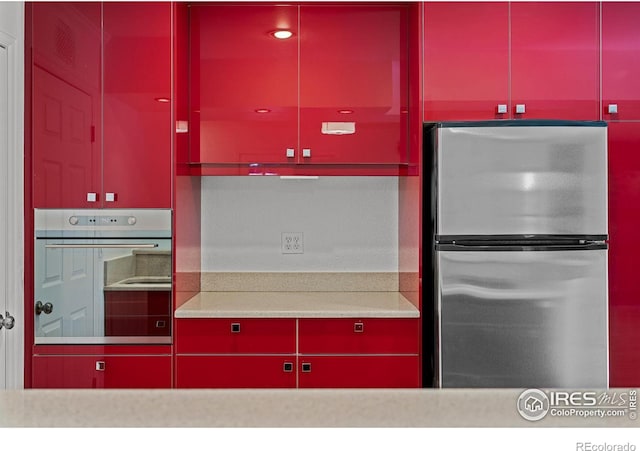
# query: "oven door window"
103,291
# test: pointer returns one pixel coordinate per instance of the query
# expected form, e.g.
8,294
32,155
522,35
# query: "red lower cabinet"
359,371
232,371
101,370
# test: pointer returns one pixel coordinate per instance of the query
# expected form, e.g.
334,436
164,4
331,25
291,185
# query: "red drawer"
134,326
230,371
235,336
359,336
359,372
137,303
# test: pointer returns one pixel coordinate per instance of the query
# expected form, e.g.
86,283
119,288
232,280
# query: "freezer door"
517,180
523,319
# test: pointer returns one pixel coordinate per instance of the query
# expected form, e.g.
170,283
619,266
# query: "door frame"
12,38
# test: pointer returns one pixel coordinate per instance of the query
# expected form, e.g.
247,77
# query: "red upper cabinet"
244,83
101,137
533,60
66,103
353,84
555,60
620,63
137,104
466,60
333,92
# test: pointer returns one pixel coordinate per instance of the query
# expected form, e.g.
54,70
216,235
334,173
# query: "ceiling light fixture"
162,99
263,110
282,34
345,111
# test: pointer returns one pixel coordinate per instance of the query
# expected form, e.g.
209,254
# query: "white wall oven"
102,276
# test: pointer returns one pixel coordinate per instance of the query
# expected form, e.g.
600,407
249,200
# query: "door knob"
7,322
46,307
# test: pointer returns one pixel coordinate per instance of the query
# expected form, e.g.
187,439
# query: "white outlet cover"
292,243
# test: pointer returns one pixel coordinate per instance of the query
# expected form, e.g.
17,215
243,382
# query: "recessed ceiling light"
263,110
162,100
281,34
345,111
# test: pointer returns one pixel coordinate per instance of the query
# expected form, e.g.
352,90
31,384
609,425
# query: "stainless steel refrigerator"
519,238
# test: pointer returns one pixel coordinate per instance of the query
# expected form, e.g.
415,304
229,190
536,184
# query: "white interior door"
11,193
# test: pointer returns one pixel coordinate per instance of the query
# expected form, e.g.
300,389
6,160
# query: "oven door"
99,291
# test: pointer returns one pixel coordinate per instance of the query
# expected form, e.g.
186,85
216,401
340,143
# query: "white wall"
349,223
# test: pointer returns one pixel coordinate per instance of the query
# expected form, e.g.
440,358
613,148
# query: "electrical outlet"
292,243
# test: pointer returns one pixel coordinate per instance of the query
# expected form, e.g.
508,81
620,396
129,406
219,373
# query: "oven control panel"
102,220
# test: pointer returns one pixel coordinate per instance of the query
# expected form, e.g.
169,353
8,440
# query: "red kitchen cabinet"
235,353
359,353
361,371
533,60
624,222
235,371
101,122
335,92
135,313
620,64
86,367
555,60
466,60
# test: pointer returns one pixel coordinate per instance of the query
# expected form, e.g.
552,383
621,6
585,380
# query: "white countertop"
302,304
278,408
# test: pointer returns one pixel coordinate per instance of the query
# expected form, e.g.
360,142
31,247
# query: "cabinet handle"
358,327
110,197
235,328
520,108
502,108
287,367
100,365
291,152
306,367
306,153
613,108
92,197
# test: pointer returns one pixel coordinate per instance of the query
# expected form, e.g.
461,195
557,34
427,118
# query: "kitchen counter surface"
303,304
141,283
278,408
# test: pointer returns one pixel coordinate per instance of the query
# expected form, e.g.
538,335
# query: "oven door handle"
101,246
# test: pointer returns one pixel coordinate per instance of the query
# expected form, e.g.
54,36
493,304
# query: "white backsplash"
349,223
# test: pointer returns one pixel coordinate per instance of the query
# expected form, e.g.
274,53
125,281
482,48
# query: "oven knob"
73,220
131,220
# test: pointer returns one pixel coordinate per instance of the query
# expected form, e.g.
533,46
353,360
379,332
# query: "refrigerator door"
523,319
521,180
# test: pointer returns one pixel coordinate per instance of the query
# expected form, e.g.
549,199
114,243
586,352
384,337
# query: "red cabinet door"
66,103
353,84
359,336
136,162
620,63
359,372
466,60
244,83
555,59
101,371
624,223
231,371
235,336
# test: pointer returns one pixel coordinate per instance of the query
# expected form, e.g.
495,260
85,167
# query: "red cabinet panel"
620,63
359,372
255,371
132,313
624,223
235,336
101,371
244,82
466,60
353,70
555,59
359,336
137,104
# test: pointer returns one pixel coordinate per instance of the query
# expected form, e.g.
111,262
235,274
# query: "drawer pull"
235,328
100,365
161,324
287,367
306,367
358,327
